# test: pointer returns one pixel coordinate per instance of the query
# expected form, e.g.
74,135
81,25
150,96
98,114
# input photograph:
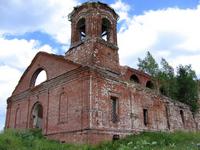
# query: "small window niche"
145,117
81,29
116,137
105,33
114,109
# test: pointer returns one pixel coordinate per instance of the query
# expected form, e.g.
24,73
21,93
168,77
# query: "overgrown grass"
33,140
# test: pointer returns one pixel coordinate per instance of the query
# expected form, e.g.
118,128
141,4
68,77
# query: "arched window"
149,84
81,29
105,29
37,116
38,77
134,78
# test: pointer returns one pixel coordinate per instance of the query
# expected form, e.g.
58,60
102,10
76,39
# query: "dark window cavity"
116,137
149,84
114,109
182,116
145,115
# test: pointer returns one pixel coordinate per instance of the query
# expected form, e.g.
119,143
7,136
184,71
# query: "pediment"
53,65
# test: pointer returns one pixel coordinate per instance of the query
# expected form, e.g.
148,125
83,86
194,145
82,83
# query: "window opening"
182,116
149,84
81,29
114,109
105,29
145,115
42,76
134,78
115,137
38,77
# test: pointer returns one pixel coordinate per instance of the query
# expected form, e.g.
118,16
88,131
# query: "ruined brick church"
88,96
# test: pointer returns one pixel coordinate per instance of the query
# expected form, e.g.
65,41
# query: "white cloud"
8,81
166,33
122,9
194,59
15,56
18,53
49,16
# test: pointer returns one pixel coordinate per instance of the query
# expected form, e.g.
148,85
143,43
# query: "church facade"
88,96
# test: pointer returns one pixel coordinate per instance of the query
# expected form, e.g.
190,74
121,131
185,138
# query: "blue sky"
166,28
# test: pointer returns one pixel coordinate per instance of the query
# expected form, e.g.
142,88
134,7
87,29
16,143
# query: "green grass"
33,140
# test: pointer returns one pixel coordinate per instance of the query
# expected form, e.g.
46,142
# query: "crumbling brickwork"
88,97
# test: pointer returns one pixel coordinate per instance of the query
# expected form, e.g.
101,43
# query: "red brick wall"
77,99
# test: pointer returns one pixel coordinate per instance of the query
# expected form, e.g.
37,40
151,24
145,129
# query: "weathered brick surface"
77,98
93,50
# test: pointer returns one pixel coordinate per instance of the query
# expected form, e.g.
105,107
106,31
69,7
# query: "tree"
148,65
187,86
182,87
166,79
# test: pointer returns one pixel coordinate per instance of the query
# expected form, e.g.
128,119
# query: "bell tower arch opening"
105,33
81,29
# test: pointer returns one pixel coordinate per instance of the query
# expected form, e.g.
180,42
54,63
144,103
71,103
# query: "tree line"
181,85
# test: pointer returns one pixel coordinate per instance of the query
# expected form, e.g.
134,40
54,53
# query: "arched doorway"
37,116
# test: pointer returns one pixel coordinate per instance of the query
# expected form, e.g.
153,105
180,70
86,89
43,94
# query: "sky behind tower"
167,28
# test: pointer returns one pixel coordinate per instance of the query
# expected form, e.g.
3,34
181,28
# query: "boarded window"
145,116
114,109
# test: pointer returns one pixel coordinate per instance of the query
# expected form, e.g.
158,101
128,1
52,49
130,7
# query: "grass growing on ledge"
33,140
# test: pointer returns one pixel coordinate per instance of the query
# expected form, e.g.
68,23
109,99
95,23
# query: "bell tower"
94,36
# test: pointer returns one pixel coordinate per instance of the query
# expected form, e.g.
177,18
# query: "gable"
53,65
